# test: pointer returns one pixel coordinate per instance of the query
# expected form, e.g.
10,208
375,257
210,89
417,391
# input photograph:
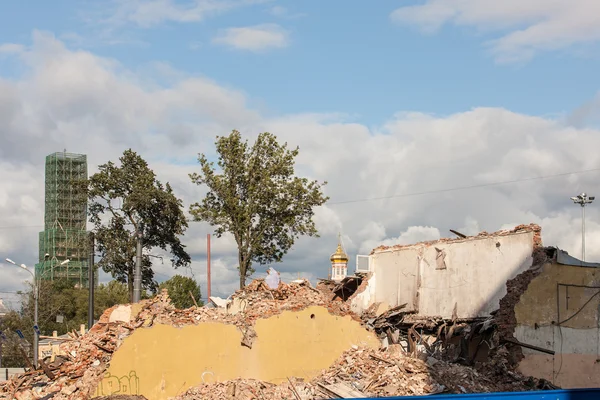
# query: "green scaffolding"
65,236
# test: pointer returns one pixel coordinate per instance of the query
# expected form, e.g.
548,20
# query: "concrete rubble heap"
389,371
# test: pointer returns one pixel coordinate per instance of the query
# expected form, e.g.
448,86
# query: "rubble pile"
359,372
76,375
261,302
362,372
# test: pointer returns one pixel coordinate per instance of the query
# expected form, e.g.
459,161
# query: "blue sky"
342,56
383,98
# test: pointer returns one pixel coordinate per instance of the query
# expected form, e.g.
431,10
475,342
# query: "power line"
454,189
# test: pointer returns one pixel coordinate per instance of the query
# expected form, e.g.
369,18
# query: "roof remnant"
563,258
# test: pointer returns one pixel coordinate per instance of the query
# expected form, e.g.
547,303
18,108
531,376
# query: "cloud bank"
524,28
79,101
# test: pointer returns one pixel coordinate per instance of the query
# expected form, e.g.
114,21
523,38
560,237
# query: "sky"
422,116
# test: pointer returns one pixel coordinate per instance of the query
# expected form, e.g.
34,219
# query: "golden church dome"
339,255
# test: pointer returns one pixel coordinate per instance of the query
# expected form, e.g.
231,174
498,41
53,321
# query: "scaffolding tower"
65,236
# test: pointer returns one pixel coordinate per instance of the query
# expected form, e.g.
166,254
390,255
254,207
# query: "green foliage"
179,288
127,197
58,297
109,295
11,355
61,297
255,196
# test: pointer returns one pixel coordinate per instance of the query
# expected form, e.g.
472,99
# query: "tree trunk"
130,283
242,268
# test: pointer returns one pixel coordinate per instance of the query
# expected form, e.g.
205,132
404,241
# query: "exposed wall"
559,311
162,361
434,277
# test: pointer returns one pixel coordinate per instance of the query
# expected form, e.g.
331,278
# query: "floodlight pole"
583,199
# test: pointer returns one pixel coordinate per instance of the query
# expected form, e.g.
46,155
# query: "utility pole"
208,265
91,283
137,280
583,199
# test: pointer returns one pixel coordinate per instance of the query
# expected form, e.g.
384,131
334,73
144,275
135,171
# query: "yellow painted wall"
538,305
576,341
163,361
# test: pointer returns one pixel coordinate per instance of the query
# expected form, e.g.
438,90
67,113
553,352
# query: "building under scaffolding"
64,246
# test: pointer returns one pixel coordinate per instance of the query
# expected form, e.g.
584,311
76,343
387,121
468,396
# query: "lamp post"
35,312
583,199
36,295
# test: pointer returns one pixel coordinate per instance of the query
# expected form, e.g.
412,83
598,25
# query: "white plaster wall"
475,276
397,277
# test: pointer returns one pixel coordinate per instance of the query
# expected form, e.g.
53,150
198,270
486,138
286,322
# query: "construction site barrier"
563,394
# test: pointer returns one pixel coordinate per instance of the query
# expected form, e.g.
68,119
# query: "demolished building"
288,342
493,312
504,286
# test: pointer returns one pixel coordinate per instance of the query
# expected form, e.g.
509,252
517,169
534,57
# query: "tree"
11,349
255,196
124,199
58,297
179,288
62,297
108,295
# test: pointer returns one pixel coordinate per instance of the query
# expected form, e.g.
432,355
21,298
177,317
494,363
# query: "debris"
416,361
343,391
461,235
366,372
272,278
219,302
193,298
86,357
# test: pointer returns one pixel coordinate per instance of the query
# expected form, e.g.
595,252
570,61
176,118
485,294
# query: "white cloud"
525,27
11,48
278,11
586,114
254,38
146,13
414,234
283,12
93,105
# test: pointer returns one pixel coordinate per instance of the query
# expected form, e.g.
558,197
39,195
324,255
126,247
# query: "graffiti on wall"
111,384
46,353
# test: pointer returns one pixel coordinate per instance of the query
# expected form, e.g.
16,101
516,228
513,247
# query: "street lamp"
35,312
583,199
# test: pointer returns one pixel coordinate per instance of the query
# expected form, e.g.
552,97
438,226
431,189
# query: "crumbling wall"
361,299
467,276
163,360
559,311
